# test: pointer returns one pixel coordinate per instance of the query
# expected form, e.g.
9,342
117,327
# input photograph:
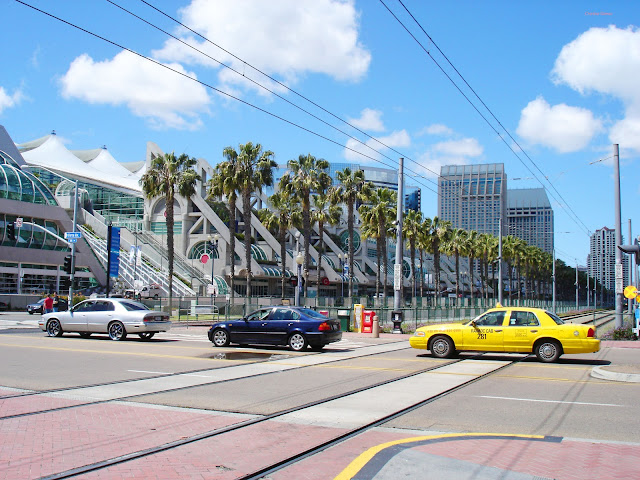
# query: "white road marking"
146,371
551,401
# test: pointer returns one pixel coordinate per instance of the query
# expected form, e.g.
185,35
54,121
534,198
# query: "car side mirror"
473,322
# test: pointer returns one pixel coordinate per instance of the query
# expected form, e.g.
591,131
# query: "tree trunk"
170,241
246,213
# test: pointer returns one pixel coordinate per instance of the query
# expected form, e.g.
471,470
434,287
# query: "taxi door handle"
534,331
498,331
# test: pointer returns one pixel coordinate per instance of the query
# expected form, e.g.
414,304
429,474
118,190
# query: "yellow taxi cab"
508,329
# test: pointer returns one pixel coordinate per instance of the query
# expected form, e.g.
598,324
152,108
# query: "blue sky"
560,77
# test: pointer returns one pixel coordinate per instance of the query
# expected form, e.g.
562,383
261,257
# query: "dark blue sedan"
296,327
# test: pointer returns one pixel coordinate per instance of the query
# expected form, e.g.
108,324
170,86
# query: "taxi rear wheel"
442,347
548,351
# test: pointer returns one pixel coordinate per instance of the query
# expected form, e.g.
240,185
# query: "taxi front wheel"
442,347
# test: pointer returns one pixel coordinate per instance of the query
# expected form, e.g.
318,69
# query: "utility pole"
73,249
631,263
397,268
619,279
553,278
577,284
500,261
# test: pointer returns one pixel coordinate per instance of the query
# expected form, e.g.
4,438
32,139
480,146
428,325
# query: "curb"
599,372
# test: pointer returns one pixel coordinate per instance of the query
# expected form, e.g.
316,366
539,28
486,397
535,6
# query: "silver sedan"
115,316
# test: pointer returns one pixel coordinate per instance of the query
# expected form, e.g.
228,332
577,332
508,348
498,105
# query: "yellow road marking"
80,350
361,460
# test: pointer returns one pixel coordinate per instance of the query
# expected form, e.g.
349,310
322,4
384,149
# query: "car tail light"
591,333
324,327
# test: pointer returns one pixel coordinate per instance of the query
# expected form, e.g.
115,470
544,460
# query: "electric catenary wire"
564,205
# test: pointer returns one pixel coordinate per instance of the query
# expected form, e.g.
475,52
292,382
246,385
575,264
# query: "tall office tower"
530,217
473,197
412,199
601,262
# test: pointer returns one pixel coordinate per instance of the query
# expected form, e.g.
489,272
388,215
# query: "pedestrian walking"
56,301
48,304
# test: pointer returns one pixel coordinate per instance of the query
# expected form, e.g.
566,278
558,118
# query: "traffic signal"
65,283
67,264
11,231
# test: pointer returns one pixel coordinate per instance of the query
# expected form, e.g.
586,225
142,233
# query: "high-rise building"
601,262
412,199
530,217
473,197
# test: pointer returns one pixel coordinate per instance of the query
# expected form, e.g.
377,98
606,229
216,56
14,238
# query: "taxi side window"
523,319
491,319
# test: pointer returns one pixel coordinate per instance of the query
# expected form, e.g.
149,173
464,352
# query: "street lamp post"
299,263
341,258
214,248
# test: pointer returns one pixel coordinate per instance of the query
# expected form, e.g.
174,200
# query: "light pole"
341,258
214,248
299,261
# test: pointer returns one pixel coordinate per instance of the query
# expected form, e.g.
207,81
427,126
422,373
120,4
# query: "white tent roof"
102,160
49,152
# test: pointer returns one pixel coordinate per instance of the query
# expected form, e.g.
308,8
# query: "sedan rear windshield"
133,306
312,313
555,318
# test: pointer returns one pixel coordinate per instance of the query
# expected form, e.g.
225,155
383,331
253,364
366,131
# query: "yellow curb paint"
361,460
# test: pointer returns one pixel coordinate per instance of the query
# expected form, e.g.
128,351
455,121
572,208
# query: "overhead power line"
564,205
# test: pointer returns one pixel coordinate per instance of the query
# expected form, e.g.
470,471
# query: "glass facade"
119,208
20,185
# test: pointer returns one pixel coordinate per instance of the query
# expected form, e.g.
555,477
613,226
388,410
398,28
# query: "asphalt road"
528,398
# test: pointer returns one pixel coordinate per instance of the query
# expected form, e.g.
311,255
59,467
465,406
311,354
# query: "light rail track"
291,459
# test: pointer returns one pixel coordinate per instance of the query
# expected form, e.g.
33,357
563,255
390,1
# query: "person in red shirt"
48,304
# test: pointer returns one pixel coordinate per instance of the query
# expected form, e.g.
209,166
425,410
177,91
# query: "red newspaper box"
367,321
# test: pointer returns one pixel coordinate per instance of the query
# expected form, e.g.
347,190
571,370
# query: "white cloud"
370,120
606,61
283,38
437,129
626,132
451,152
166,99
466,147
397,139
561,127
9,100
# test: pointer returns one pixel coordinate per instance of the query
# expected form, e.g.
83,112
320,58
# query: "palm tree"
488,246
411,226
253,170
423,242
222,184
509,247
352,187
324,211
472,250
306,175
167,176
439,231
377,213
454,245
286,214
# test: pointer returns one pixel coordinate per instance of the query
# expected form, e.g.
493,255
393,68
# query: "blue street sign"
72,240
72,235
114,251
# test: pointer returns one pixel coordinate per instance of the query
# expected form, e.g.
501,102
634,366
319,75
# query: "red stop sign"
204,258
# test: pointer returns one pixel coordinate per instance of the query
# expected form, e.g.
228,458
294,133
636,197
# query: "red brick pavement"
567,460
44,444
